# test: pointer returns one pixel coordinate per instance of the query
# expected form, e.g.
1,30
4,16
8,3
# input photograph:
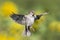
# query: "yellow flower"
3,37
8,7
53,25
11,38
58,27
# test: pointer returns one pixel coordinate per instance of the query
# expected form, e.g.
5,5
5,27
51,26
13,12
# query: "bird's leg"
26,29
29,28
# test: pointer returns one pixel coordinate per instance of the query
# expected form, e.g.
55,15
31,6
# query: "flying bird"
26,20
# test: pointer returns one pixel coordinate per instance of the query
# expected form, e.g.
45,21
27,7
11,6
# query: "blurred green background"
46,28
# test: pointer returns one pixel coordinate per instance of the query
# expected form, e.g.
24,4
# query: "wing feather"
18,18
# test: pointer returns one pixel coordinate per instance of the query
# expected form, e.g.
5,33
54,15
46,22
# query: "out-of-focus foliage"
46,28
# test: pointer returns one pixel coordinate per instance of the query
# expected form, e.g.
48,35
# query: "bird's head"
31,12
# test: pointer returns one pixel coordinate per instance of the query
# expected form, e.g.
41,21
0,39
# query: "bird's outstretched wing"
18,18
39,16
